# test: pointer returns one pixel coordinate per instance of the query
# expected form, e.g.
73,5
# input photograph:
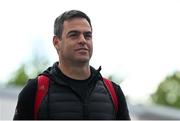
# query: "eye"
88,35
73,34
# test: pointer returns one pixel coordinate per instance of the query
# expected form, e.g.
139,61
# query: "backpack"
42,89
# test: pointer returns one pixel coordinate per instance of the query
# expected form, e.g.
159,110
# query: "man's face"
76,41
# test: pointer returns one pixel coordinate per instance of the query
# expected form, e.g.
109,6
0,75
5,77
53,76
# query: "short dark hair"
67,15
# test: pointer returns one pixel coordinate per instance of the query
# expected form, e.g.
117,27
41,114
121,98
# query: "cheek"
90,45
62,47
67,47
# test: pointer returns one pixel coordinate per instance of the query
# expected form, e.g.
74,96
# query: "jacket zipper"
85,110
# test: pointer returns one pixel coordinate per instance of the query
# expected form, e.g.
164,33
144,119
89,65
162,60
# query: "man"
76,90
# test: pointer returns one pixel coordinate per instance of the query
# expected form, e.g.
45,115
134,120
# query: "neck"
75,72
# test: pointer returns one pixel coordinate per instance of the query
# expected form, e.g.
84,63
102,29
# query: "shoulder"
25,103
118,89
115,85
28,90
123,112
119,92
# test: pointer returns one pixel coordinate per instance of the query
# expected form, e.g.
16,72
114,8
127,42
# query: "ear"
56,42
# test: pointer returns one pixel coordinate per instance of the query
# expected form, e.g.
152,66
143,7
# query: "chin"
83,60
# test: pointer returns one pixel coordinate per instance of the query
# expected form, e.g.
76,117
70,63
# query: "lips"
81,49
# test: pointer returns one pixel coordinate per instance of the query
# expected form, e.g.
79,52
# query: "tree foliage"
19,77
168,92
28,70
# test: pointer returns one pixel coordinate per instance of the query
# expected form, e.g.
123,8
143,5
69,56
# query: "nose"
82,39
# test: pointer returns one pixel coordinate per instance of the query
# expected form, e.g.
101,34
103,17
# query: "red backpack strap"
42,89
112,92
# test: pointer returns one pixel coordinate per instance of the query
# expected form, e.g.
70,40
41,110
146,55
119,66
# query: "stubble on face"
73,48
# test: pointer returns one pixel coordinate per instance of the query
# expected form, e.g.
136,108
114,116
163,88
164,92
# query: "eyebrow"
88,32
75,31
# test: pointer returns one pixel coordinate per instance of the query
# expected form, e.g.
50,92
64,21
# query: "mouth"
81,49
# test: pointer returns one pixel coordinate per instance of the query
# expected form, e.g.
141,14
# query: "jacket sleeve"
25,103
123,113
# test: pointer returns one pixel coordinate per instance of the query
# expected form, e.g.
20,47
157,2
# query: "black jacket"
25,105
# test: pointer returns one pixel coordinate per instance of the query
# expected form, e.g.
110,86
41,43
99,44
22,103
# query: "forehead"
77,24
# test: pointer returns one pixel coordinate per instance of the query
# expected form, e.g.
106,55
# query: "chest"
63,102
